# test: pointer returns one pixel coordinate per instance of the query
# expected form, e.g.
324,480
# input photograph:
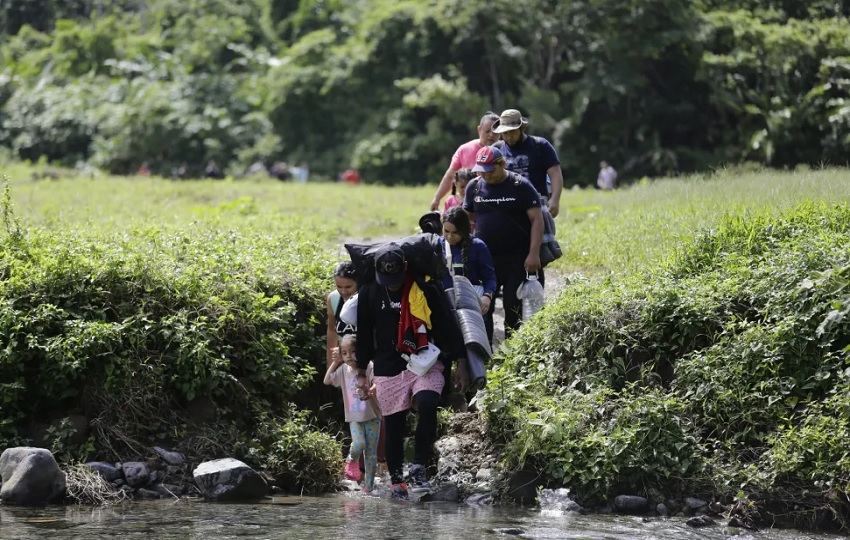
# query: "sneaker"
417,475
399,491
352,470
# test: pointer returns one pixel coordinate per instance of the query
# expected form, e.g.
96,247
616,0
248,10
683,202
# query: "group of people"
491,229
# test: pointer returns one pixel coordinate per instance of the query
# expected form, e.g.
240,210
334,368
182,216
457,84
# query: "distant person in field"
531,157
607,178
509,219
464,156
144,169
350,176
462,178
212,170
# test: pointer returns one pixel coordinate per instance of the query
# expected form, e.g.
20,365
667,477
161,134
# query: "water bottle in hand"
531,294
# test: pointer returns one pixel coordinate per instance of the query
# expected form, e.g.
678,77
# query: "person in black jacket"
378,317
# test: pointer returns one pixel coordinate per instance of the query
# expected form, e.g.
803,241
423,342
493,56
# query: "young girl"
462,177
361,410
470,258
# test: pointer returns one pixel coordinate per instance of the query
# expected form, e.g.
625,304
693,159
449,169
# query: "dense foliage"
200,338
723,373
393,86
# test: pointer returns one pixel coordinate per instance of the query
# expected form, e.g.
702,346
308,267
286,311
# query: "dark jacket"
377,328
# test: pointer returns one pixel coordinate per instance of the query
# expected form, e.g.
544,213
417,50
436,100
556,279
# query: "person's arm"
365,328
444,187
331,377
557,178
332,338
532,262
487,273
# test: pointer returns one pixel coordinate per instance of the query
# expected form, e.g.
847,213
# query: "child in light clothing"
361,410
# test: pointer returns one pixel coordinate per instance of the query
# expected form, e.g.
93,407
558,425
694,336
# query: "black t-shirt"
501,214
531,158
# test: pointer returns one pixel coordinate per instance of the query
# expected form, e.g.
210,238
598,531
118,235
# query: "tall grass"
601,232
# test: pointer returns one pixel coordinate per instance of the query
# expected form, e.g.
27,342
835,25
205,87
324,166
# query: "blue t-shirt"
531,158
501,214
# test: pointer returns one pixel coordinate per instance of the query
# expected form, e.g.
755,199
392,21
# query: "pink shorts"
395,393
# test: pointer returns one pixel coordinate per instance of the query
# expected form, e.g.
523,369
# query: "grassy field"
601,232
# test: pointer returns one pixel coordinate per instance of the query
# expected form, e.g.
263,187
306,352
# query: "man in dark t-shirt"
509,220
531,157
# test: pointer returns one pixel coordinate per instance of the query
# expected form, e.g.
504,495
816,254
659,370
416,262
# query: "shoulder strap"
449,257
336,303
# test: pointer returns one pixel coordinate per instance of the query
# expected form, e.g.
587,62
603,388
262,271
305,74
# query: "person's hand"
554,208
363,393
485,304
532,263
462,376
336,359
435,204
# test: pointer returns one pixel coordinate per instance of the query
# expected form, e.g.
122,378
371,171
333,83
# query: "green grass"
622,231
601,232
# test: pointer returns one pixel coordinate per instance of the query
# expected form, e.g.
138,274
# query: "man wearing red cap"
509,220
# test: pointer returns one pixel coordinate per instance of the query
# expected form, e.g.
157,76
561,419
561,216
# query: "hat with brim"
509,120
390,265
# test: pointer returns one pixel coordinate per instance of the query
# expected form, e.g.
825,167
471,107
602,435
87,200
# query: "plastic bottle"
531,294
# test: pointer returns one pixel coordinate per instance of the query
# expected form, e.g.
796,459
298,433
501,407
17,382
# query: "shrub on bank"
180,337
723,371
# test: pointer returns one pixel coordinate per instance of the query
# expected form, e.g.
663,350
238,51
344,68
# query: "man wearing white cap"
531,157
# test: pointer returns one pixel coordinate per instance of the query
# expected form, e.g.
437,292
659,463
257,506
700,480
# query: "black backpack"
422,252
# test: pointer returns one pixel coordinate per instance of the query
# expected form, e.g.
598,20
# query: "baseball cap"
389,265
486,159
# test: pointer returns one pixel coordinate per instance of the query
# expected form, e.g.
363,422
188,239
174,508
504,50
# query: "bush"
131,328
690,375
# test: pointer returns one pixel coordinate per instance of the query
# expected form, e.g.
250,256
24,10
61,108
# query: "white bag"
348,313
420,362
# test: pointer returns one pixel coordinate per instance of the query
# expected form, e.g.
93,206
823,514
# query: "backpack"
422,252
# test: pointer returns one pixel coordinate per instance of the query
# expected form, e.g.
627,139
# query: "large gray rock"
136,473
229,480
631,503
31,477
172,458
108,471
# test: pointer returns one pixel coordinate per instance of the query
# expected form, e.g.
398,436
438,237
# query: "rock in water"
229,480
31,477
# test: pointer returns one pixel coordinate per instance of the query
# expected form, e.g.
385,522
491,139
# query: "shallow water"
345,517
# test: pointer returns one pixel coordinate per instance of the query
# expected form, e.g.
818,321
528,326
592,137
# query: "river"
345,517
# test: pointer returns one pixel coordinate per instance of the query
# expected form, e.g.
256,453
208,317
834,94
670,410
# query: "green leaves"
726,367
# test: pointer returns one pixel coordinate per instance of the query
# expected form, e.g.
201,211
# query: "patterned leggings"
364,440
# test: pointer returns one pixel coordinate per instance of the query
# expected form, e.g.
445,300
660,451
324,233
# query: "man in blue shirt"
531,157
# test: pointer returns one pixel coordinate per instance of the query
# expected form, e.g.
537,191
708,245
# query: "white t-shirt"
356,410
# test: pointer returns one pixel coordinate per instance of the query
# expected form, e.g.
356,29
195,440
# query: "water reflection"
343,517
